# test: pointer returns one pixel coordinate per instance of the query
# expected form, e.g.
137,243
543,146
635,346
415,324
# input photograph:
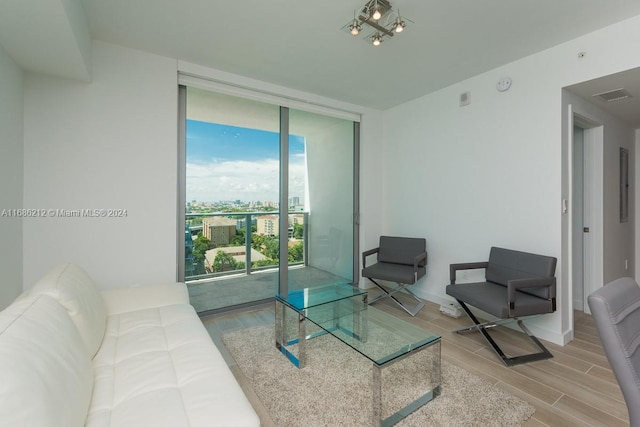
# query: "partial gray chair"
517,284
615,309
401,260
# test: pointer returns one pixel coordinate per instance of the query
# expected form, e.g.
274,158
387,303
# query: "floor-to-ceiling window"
267,197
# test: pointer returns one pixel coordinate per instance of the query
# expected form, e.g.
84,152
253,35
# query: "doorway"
587,230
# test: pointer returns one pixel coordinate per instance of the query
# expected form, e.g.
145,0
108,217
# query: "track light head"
399,25
355,27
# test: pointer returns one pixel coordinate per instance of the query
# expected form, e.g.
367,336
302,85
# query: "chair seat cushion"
492,298
400,273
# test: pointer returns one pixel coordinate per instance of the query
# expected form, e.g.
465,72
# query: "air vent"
613,95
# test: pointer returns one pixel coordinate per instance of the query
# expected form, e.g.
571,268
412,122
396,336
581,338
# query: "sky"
233,163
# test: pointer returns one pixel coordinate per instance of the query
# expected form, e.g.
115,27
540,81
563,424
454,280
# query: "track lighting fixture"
375,21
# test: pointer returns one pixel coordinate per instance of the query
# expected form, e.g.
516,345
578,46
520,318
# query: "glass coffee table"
341,310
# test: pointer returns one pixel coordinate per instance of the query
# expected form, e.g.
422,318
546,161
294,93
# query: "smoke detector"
613,95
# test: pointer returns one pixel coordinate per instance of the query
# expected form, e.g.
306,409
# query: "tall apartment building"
219,230
296,219
268,225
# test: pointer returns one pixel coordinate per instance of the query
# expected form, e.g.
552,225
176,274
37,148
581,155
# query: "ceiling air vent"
613,95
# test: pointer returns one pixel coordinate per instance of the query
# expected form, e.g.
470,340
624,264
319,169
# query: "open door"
587,209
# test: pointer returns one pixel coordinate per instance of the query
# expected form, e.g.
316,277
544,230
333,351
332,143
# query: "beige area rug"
334,389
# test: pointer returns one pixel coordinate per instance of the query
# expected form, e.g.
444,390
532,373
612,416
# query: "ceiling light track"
374,24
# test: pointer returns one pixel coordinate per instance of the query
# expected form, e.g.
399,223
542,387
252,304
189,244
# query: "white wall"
490,173
108,144
11,163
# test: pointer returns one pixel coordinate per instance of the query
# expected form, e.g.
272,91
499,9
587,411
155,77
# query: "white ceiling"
299,43
627,110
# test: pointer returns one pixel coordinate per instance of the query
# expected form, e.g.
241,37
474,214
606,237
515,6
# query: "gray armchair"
616,312
401,260
517,284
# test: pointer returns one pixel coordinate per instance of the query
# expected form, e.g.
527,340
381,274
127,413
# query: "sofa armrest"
125,299
453,268
515,284
365,254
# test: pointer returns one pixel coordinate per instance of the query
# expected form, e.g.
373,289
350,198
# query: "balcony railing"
244,220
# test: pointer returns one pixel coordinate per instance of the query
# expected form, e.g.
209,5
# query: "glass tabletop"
387,337
303,299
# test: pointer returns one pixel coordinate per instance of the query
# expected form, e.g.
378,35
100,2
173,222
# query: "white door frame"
593,262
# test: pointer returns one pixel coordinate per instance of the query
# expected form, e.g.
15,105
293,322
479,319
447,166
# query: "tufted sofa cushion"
72,287
158,367
154,363
45,370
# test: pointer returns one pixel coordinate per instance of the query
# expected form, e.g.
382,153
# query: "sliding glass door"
325,177
269,199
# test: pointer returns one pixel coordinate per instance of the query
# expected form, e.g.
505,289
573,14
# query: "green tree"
258,241
272,248
224,262
265,263
296,252
238,238
298,231
200,246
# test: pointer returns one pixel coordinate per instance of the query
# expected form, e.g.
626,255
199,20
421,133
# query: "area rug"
334,389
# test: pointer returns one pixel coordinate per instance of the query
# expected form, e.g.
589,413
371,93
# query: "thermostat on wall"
504,84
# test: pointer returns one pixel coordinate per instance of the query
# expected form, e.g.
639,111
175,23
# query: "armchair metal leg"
401,287
543,354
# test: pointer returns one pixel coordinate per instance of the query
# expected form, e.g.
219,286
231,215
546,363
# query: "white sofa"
72,355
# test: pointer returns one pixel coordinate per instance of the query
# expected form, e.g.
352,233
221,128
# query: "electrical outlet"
450,310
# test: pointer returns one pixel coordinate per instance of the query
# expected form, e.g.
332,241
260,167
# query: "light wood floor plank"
590,415
575,388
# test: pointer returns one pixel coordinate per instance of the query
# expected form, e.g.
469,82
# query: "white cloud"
242,180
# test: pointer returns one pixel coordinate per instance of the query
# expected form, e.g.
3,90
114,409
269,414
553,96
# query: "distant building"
237,252
268,225
296,219
270,204
219,230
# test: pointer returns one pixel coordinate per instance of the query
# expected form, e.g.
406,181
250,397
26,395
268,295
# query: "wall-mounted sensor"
503,84
465,99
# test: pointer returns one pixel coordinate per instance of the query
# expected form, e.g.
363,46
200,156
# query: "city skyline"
293,200
228,163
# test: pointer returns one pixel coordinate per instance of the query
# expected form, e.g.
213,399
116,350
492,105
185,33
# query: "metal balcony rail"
243,220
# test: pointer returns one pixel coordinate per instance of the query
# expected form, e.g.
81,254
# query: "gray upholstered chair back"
616,311
400,250
507,264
